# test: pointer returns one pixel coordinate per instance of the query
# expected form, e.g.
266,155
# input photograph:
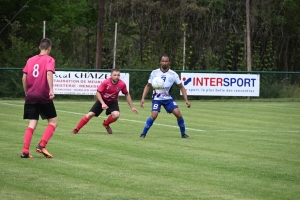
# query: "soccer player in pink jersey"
38,86
107,99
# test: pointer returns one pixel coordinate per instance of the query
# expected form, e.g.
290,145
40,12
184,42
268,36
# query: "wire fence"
272,84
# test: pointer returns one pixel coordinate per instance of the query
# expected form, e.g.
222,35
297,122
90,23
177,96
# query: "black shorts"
46,111
97,108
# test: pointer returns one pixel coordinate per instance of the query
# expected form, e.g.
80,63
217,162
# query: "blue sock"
181,126
148,125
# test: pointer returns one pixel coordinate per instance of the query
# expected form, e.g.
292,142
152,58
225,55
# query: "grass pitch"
237,150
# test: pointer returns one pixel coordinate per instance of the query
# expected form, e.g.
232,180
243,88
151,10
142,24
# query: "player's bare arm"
24,82
99,97
50,83
183,91
145,92
129,101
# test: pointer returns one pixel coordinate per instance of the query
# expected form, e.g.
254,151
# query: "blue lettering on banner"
240,82
218,81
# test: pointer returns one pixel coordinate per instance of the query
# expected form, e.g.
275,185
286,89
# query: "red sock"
84,120
27,139
47,135
109,120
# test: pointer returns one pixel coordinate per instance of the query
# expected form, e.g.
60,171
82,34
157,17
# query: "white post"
44,29
183,50
115,46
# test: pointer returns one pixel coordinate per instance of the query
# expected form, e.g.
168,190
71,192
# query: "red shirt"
37,85
110,91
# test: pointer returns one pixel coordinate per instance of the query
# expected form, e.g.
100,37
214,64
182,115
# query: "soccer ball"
157,83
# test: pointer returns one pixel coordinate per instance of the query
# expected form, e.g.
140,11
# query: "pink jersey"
110,91
37,85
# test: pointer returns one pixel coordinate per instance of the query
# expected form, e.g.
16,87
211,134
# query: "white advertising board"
81,83
205,84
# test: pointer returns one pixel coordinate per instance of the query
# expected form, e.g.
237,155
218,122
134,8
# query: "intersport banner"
81,83
206,84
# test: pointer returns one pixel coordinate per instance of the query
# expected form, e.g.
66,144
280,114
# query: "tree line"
197,34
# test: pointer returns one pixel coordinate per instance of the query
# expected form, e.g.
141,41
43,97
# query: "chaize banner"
205,84
81,83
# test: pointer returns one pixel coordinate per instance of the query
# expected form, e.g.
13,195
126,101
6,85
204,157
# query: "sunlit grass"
237,150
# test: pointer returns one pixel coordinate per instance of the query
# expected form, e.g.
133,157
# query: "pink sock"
47,135
109,120
27,139
84,120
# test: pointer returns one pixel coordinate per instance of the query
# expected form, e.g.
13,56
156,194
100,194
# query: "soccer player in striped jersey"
163,97
38,86
107,99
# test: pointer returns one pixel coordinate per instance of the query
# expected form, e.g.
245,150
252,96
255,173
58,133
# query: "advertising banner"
205,84
81,83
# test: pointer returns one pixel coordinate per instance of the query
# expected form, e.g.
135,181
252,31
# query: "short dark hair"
45,44
115,70
165,55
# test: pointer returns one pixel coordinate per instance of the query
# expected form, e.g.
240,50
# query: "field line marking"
192,129
76,113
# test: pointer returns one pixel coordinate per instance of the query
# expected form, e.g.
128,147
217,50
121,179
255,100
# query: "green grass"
237,150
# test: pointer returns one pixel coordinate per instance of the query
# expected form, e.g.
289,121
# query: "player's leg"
114,113
31,113
49,131
156,105
47,111
83,121
180,122
94,111
172,106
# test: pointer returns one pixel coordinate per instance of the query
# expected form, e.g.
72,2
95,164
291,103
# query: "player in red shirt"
38,87
107,99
